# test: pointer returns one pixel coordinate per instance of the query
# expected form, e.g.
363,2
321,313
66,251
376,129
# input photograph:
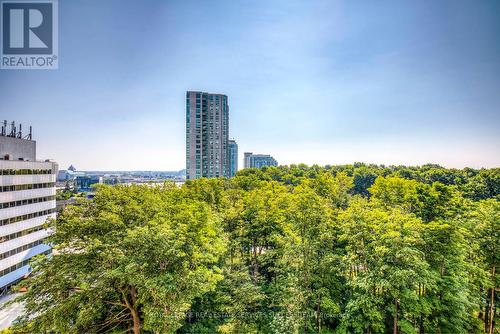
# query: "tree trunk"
492,303
318,313
395,325
419,320
137,321
255,270
486,311
132,306
135,313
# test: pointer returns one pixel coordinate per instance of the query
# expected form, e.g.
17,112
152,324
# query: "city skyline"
317,83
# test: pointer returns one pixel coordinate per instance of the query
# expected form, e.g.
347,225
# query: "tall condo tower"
207,135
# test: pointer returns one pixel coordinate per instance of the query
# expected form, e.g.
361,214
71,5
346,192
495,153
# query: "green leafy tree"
384,267
309,281
356,248
485,222
134,258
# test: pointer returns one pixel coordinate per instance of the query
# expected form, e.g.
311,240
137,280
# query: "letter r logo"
27,28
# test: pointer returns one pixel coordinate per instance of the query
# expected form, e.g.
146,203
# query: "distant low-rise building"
258,160
69,174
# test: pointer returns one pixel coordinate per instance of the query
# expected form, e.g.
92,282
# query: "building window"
20,233
26,187
26,217
25,171
26,202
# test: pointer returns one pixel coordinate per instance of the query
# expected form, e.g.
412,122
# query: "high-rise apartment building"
27,200
258,160
207,135
233,158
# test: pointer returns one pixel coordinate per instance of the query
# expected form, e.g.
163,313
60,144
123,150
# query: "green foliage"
337,249
134,257
384,266
64,194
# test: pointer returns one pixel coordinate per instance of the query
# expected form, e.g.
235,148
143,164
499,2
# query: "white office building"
27,200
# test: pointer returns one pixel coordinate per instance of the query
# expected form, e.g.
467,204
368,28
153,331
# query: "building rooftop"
16,146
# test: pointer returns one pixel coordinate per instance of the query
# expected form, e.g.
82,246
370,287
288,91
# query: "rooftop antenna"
12,129
14,133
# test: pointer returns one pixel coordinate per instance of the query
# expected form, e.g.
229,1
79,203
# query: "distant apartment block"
27,200
233,158
207,135
258,160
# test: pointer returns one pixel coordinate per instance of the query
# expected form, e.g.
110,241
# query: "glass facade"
233,158
85,183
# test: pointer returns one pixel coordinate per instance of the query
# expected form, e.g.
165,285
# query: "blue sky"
327,82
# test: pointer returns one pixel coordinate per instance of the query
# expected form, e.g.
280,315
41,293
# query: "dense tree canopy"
336,249
135,255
